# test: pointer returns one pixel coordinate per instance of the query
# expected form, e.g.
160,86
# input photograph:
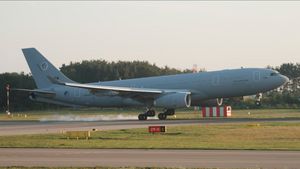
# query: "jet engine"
212,102
173,100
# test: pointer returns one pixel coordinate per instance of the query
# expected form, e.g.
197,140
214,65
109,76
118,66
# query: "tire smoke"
89,117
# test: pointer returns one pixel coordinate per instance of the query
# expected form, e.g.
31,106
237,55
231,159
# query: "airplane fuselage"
168,92
203,86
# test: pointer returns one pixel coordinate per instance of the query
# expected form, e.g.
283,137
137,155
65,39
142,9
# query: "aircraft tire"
142,117
162,116
257,103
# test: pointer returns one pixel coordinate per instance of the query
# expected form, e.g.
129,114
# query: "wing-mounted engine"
173,100
212,102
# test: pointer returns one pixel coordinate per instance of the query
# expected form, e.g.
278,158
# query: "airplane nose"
284,79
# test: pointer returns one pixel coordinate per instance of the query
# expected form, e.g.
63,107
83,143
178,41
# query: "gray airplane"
167,92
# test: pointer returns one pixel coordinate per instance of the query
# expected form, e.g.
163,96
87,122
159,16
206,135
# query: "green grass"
253,113
247,136
180,114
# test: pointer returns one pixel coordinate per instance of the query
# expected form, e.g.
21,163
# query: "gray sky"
213,35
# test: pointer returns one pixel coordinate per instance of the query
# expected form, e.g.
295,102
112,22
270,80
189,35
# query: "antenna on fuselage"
195,68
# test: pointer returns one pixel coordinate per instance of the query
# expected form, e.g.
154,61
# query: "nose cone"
284,79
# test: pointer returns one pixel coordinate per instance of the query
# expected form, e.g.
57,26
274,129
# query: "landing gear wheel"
162,116
257,103
142,117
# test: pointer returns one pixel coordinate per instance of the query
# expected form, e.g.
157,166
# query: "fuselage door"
256,76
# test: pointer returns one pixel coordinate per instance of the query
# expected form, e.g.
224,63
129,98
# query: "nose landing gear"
258,98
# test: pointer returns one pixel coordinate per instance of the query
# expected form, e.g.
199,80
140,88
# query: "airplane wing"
114,88
130,92
135,93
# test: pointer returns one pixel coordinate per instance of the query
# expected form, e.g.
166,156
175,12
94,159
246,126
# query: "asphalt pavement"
42,127
149,158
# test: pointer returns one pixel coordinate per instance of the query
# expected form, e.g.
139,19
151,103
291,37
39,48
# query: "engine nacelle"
212,102
173,100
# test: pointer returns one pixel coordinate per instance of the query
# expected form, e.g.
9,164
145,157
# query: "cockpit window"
274,74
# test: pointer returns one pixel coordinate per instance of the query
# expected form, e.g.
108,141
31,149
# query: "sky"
214,35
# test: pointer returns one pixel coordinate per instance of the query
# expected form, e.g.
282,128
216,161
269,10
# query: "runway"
138,157
148,158
38,127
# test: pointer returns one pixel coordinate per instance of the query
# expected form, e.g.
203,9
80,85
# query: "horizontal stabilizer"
36,91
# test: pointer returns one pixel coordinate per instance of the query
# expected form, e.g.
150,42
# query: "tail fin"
42,70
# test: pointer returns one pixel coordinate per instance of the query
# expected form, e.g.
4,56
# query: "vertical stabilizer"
42,70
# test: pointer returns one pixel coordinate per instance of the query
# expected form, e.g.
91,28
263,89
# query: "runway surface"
38,127
147,158
133,157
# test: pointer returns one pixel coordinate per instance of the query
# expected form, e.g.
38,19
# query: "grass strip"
246,136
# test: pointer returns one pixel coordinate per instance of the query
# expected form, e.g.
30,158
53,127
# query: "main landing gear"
148,113
161,116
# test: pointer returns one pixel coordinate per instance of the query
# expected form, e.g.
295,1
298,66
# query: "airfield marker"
7,99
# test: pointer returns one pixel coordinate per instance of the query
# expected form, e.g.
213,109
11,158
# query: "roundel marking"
44,66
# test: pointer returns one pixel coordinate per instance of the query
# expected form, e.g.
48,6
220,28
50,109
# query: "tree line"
287,96
101,70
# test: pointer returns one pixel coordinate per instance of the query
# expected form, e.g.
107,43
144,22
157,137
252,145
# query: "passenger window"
274,74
